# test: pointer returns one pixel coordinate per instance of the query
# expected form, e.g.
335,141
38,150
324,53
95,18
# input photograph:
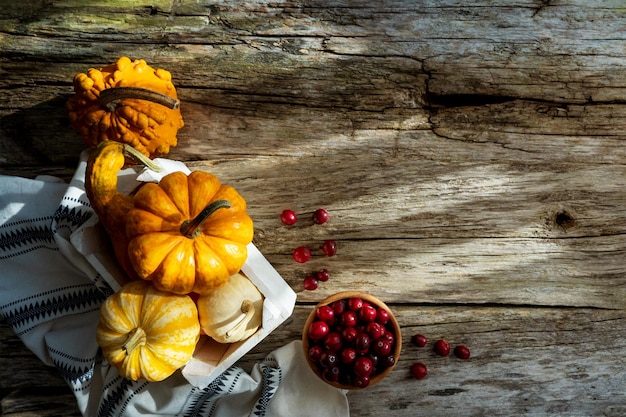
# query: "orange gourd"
128,102
111,206
188,233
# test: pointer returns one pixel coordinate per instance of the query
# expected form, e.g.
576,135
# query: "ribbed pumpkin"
188,233
146,333
129,102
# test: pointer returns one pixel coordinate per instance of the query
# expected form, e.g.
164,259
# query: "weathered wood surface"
471,157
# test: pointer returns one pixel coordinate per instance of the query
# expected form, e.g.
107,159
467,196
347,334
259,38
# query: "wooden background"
470,154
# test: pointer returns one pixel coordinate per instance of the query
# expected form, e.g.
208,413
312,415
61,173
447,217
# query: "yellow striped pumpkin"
146,333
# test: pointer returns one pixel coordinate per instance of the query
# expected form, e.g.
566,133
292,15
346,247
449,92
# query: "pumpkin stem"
137,338
247,310
191,228
135,154
110,98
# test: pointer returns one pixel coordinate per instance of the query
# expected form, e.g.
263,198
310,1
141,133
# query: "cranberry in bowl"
351,340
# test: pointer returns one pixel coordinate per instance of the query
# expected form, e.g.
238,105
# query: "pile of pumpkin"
181,241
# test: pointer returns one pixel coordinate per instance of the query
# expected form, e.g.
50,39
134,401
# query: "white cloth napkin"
50,296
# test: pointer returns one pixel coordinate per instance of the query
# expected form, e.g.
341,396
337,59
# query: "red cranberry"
363,366
387,361
349,334
348,355
329,247
361,381
419,340
367,313
374,358
382,316
362,343
333,341
442,348
315,352
318,330
326,313
462,352
301,254
320,216
375,330
339,307
389,337
328,359
332,374
382,347
289,217
323,275
310,283
419,370
355,303
349,318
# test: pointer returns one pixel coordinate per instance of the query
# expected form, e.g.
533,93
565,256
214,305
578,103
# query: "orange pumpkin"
188,233
128,102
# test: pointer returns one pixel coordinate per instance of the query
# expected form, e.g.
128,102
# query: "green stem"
191,228
110,98
136,339
135,154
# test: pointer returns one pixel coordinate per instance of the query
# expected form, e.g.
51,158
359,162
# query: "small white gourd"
233,311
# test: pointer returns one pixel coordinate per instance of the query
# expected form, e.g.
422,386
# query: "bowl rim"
372,299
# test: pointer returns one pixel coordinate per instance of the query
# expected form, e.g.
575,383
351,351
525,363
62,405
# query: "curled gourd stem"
247,310
136,339
135,154
110,98
191,228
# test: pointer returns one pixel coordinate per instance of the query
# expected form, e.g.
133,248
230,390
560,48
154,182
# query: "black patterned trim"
44,306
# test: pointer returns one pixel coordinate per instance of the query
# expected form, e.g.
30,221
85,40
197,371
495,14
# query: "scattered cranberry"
419,340
318,330
329,247
320,216
442,348
323,275
310,282
419,370
326,313
462,352
301,254
288,217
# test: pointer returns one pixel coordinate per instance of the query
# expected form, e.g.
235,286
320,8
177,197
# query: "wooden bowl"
391,325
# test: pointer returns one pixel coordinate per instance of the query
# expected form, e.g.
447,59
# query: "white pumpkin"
233,311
